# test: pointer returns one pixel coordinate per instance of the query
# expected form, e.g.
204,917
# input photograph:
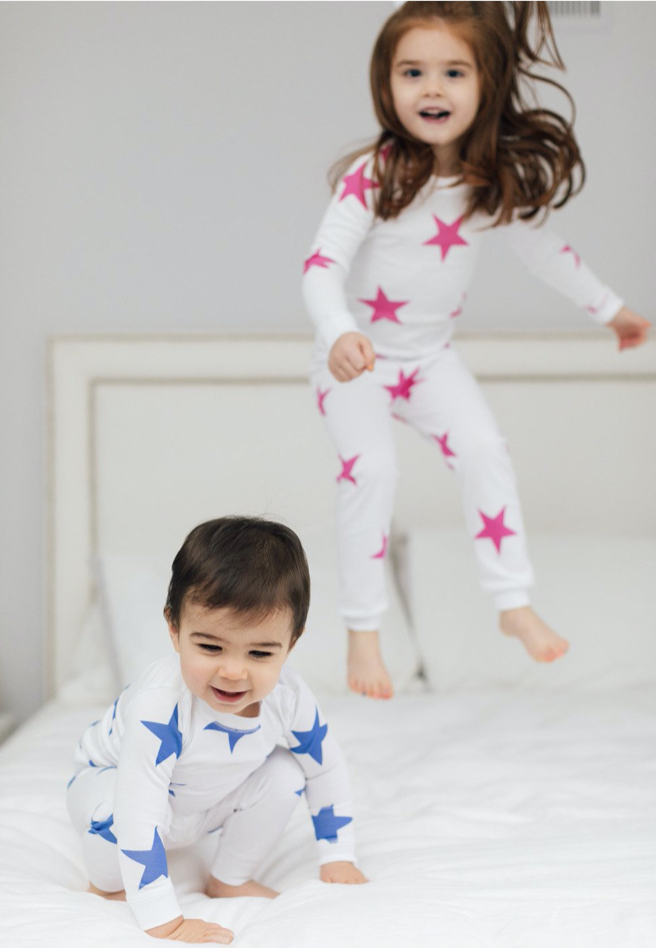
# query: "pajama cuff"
368,624
155,909
512,599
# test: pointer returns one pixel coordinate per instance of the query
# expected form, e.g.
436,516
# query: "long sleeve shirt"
402,281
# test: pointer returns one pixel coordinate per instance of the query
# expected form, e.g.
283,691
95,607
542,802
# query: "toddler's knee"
376,468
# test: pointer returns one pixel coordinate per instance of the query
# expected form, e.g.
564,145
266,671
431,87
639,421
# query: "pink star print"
383,550
495,529
384,308
321,397
568,249
447,236
357,184
458,310
316,260
347,467
446,450
595,309
403,388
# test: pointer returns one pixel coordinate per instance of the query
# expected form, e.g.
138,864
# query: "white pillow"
133,589
598,592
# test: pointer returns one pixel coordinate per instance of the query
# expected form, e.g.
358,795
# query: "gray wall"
162,168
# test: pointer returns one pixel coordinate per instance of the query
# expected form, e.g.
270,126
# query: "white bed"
499,803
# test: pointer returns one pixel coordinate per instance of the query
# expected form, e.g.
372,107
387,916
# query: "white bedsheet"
504,819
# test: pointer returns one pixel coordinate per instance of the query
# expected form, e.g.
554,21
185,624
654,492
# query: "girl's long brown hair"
516,157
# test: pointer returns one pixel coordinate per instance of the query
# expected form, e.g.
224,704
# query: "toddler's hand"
630,329
350,356
344,872
193,931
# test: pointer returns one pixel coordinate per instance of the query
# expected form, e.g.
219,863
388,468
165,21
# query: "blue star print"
327,825
310,741
168,734
102,828
153,860
233,734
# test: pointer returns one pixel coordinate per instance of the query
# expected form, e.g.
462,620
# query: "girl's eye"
211,648
412,73
256,654
453,73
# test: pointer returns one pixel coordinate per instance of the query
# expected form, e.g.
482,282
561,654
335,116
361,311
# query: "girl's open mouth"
229,696
435,115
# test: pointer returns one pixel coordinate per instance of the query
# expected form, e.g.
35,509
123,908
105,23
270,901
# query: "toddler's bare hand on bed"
630,329
350,356
344,872
193,931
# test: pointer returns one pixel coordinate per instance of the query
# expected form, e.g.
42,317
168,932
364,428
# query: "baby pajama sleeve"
151,744
327,785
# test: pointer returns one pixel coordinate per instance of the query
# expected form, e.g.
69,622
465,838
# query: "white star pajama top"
162,768
403,283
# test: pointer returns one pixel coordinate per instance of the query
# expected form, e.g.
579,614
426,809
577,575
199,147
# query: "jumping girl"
460,151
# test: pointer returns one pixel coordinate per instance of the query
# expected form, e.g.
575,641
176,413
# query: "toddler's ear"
173,632
295,640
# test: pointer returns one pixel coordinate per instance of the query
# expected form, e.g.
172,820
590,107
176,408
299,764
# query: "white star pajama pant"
251,819
442,401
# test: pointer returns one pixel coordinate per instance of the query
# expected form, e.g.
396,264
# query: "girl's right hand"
350,356
193,931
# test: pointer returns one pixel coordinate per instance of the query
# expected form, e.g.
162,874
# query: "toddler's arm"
327,785
552,259
345,225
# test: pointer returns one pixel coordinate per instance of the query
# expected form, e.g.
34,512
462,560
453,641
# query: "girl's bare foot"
220,890
541,642
116,896
366,673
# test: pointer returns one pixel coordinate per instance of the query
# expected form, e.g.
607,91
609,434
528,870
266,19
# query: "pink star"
458,310
595,309
447,236
321,396
316,260
403,387
383,550
568,249
384,308
357,184
494,529
347,467
446,450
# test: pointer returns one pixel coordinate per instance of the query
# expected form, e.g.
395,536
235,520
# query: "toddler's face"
435,88
229,661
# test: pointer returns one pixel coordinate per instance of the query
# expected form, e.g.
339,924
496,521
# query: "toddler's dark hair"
250,565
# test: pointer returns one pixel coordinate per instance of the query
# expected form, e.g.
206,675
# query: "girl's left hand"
344,872
630,329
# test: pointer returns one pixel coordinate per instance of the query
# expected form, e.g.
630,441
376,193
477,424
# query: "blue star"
233,733
299,793
153,859
327,825
102,828
168,734
111,726
310,741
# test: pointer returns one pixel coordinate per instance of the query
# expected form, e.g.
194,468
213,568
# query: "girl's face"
436,89
229,662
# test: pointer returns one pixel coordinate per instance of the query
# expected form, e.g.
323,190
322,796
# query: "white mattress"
505,819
